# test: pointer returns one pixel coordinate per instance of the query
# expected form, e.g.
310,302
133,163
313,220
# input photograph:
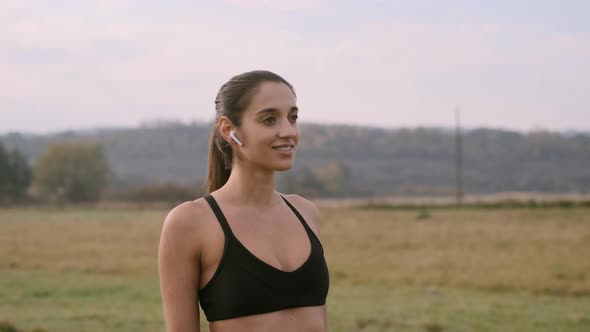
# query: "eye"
294,117
269,120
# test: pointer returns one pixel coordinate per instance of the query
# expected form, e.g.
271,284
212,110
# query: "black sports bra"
245,285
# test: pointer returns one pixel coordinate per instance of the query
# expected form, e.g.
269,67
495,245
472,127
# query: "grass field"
508,269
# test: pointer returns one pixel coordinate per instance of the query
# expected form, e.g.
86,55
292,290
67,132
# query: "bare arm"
178,267
313,216
326,317
316,219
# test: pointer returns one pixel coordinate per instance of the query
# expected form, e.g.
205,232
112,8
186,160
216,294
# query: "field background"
443,269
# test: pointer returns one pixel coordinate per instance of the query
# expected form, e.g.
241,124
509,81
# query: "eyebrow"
275,110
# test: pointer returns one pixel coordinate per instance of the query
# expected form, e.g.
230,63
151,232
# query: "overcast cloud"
510,64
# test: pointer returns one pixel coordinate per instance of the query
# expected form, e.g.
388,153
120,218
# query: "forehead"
272,95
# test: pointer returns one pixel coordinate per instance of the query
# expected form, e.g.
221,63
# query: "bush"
72,172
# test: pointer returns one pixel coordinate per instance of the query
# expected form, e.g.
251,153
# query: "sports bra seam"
277,308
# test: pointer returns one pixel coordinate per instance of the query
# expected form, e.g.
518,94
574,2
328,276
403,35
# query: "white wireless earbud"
233,136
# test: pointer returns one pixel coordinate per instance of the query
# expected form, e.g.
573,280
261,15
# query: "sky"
518,64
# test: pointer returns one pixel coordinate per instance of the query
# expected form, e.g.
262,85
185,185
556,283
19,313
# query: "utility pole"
458,158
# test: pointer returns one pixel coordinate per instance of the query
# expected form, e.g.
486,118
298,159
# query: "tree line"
65,172
347,160
80,172
15,175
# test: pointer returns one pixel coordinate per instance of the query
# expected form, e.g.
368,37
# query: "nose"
288,129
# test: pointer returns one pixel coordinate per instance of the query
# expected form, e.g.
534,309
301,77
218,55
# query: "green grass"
78,301
470,269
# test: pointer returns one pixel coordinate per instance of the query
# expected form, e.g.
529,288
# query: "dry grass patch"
529,249
508,269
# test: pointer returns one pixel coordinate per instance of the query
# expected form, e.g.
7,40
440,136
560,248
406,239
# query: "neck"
250,186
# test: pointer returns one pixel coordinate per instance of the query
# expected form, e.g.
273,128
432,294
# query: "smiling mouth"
287,147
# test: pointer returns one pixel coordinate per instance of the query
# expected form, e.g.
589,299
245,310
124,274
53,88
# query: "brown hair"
231,101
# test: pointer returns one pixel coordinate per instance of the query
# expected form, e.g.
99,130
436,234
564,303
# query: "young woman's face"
269,130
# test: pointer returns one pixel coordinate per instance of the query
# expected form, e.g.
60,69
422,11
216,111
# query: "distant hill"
375,161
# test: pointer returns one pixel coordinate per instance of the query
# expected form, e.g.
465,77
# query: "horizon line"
162,123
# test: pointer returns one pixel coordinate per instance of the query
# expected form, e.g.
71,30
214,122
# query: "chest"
278,239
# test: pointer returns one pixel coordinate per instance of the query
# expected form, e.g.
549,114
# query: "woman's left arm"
312,215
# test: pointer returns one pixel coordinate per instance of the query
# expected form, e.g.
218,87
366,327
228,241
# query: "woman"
249,254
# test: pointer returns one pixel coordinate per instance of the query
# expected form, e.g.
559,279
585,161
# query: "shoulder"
307,208
187,215
184,224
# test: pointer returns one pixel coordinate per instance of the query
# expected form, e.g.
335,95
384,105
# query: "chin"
283,167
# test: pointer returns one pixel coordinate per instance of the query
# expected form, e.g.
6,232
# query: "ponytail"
219,170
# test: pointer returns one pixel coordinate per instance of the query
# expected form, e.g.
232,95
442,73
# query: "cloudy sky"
516,64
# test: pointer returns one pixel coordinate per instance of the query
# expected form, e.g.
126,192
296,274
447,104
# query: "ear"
224,125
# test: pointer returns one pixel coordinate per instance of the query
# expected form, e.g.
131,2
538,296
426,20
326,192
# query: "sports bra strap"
218,214
299,216
224,224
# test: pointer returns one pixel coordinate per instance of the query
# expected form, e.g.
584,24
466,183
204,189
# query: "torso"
276,237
